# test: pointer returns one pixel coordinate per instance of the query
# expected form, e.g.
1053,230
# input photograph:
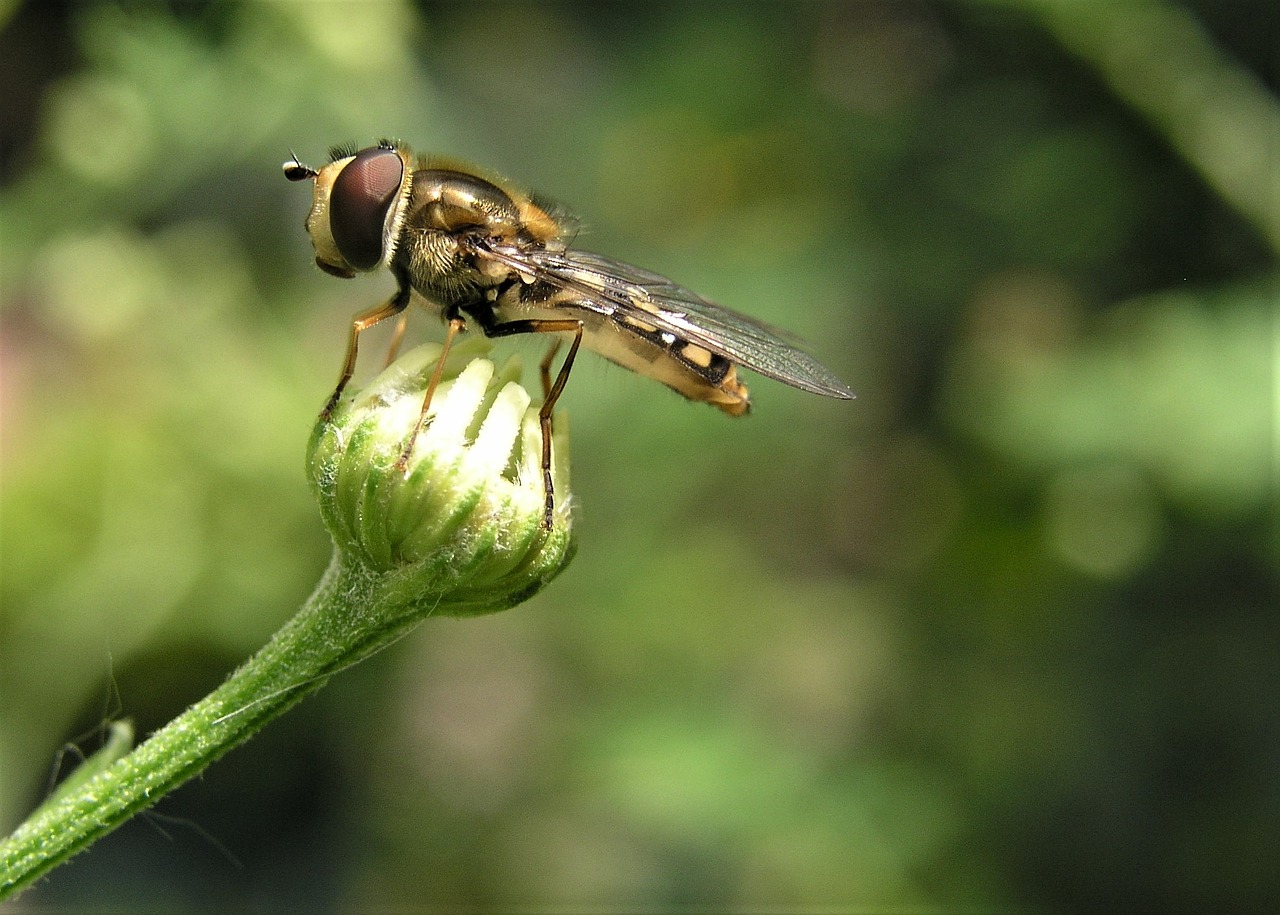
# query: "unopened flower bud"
462,524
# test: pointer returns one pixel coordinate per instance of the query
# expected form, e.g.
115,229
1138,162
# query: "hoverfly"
480,250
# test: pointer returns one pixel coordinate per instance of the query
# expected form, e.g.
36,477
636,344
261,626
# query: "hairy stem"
460,531
316,643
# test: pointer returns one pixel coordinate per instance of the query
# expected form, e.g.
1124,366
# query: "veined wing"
617,289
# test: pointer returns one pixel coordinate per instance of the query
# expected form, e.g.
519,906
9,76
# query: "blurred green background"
999,633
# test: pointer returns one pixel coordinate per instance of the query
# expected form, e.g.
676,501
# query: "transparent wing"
613,288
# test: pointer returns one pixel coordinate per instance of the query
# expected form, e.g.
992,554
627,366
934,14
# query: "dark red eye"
358,204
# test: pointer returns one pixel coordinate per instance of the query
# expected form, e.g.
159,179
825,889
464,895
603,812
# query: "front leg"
362,322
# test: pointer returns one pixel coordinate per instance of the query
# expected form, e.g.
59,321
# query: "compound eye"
359,202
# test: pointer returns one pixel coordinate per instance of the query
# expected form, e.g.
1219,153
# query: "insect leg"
455,325
359,325
544,368
545,326
397,337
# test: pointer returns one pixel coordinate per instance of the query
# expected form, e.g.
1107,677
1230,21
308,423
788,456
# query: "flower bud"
461,525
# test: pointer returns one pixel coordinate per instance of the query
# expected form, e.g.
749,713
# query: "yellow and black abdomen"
627,340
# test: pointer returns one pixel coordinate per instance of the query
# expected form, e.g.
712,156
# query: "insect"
482,251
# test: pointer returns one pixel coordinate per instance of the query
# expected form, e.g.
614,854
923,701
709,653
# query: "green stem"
316,643
460,534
